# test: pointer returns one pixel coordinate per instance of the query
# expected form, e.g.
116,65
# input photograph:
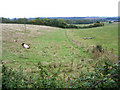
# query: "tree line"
54,22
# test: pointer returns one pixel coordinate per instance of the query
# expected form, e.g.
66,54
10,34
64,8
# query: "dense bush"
98,24
105,77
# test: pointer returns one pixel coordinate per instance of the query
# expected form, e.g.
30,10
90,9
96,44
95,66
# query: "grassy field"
106,36
52,47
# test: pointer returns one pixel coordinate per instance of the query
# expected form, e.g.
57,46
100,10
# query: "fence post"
25,24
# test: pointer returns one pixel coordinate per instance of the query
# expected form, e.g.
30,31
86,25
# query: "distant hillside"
79,18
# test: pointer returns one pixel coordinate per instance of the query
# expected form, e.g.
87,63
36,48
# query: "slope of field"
51,47
48,45
106,36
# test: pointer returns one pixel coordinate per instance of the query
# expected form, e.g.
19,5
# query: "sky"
58,8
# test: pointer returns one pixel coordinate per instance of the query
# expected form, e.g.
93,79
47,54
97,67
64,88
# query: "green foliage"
53,22
97,21
45,78
110,76
6,20
110,22
105,77
12,78
98,24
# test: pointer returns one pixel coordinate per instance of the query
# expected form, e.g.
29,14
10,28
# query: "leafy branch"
103,80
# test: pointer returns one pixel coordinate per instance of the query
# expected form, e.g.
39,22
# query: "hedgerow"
104,77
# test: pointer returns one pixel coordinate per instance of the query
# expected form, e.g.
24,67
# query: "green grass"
106,36
82,24
51,46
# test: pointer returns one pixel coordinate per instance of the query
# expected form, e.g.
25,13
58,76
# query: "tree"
97,21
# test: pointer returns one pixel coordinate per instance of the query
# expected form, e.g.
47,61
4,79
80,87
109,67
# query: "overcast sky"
58,8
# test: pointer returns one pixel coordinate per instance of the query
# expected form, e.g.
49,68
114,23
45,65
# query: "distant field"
82,25
51,46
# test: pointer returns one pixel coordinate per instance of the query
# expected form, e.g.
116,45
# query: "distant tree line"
53,22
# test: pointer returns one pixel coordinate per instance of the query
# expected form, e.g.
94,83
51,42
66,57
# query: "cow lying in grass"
25,46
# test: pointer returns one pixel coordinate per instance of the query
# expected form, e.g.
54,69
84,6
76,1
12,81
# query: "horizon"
67,17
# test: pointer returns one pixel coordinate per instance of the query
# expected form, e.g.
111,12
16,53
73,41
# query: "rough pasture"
56,48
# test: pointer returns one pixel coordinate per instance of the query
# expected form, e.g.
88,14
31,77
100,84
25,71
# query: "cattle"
25,46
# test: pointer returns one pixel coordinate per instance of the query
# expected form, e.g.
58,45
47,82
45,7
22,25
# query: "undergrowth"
107,76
